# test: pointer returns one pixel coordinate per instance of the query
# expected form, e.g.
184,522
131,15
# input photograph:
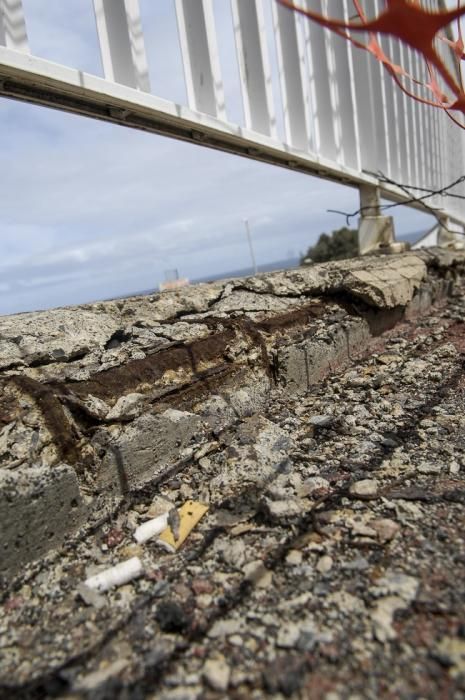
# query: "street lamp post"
252,254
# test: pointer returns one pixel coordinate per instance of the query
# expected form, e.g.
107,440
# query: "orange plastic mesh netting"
419,28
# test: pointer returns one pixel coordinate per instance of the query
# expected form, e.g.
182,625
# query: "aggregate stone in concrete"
39,506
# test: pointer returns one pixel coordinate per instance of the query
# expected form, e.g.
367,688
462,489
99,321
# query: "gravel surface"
331,562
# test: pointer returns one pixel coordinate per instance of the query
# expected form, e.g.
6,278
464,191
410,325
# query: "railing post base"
375,232
447,236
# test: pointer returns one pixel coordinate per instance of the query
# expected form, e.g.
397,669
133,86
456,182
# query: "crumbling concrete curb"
125,391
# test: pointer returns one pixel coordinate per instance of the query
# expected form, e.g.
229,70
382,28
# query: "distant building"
173,284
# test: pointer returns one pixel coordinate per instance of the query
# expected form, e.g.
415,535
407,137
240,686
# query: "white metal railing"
343,116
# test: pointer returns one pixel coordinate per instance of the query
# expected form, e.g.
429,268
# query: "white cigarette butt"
116,576
151,528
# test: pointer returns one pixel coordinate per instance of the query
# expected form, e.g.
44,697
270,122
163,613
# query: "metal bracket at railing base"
447,236
376,235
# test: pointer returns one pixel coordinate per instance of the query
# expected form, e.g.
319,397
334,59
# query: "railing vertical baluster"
344,91
254,66
322,117
13,33
292,77
121,41
197,36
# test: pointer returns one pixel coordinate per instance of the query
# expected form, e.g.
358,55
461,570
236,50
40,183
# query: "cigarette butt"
189,515
116,575
151,528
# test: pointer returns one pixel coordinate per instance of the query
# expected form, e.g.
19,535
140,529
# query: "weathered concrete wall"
123,391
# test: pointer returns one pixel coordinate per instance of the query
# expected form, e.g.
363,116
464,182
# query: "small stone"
451,652
385,528
429,468
282,509
366,488
186,492
94,680
14,603
233,553
200,586
286,675
217,673
224,628
205,601
357,564
323,421
159,506
236,640
258,574
382,617
324,564
90,596
288,636
389,359
294,557
113,537
393,583
316,487
96,408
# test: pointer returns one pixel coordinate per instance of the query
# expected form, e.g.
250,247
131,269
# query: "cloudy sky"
91,210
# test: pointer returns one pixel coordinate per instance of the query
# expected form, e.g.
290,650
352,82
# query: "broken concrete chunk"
217,412
71,333
126,408
145,447
232,552
388,286
247,402
398,591
39,508
429,468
